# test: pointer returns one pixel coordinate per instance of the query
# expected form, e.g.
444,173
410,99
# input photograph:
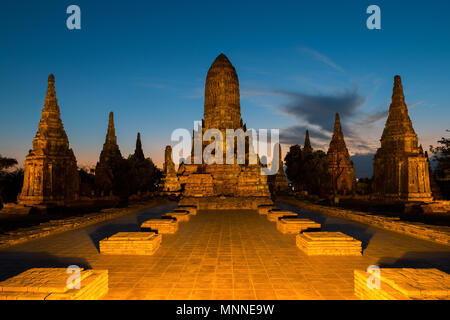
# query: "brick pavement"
225,255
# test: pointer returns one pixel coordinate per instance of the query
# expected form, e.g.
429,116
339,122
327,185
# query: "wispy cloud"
322,58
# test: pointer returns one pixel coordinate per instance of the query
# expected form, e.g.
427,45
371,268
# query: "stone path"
225,255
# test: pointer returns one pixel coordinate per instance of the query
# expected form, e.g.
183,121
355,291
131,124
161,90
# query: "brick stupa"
340,166
51,175
400,166
110,158
223,186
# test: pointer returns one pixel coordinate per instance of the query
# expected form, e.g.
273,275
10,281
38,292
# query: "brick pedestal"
131,243
403,284
51,284
328,243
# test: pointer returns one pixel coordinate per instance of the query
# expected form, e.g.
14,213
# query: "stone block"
295,225
51,284
274,215
181,215
131,243
163,226
328,243
404,284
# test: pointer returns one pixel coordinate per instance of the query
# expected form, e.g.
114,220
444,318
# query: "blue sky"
298,62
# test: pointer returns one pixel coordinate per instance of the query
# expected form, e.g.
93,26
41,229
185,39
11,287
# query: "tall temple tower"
110,159
224,185
51,174
138,152
340,166
307,145
400,167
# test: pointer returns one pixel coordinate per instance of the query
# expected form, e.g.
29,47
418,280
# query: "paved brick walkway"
225,255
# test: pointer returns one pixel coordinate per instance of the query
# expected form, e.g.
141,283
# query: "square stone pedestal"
181,215
273,216
295,225
163,226
51,284
264,209
131,243
191,209
328,243
403,284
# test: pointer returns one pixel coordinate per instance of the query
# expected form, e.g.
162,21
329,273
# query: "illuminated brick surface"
225,255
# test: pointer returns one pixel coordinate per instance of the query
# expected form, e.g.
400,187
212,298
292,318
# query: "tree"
6,163
293,161
10,181
308,170
442,156
144,175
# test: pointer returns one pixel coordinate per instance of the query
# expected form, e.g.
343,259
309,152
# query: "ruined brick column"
51,174
400,167
340,166
170,182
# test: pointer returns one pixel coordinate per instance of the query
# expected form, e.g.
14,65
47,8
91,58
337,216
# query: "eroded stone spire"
398,126
400,169
222,101
138,152
110,160
170,182
51,175
307,144
111,134
340,166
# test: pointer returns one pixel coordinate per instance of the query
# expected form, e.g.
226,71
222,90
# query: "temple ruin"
225,186
340,167
170,182
280,184
110,158
400,166
51,174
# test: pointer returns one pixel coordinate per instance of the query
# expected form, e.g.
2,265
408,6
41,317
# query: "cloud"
319,110
296,134
316,113
322,58
376,116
